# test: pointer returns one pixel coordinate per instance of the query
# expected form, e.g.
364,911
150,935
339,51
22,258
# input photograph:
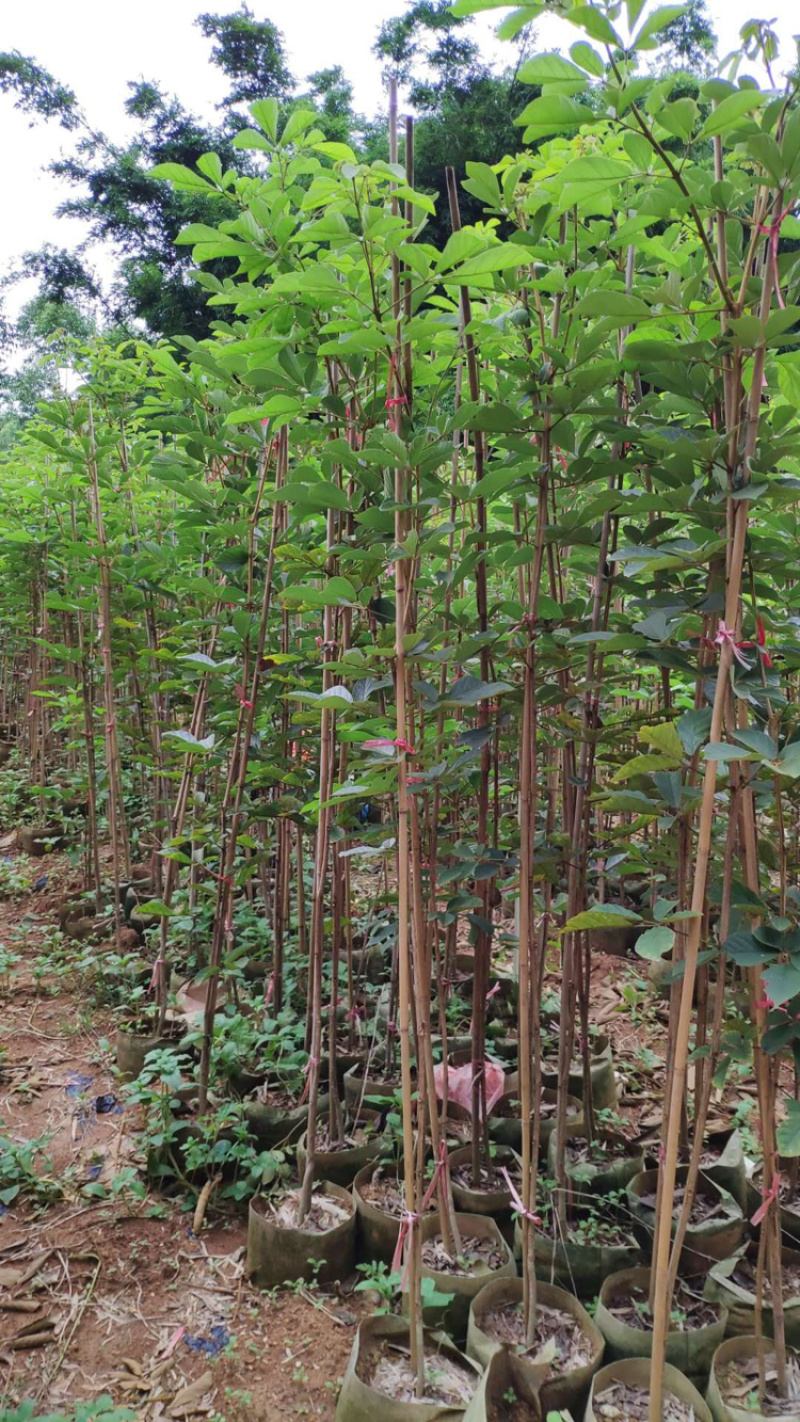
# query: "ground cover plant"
399,696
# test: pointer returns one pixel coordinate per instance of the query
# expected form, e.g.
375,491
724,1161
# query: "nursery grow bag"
601,1074
463,1288
730,1170
275,1126
278,1254
357,1091
495,1202
740,1300
689,1350
735,1350
635,1372
377,1229
361,1402
37,840
343,1164
579,1268
601,1177
617,942
505,1124
705,1241
790,1219
506,1375
132,1047
558,1391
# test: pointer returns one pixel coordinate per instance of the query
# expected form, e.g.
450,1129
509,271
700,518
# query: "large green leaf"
788,1134
602,916
551,69
606,301
782,981
731,111
655,943
469,690
553,113
656,21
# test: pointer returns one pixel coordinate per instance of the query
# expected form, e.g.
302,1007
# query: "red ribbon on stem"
769,1197
384,742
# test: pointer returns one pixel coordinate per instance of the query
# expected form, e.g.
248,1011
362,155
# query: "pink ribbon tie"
312,1061
770,1196
517,1201
159,963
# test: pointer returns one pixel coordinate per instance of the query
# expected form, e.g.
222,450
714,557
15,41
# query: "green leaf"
742,948
602,916
483,183
594,22
190,742
199,659
553,113
462,8
789,379
644,765
336,592
319,495
789,760
265,112
693,727
664,737
183,178
657,21
210,165
655,943
679,118
517,20
782,982
788,1133
588,58
339,152
757,741
727,114
495,259
721,751
550,69
604,301
469,690
154,908
298,121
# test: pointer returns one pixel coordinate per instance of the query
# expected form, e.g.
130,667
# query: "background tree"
689,41
251,53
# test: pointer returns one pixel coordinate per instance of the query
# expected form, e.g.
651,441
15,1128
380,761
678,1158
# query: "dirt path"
121,1296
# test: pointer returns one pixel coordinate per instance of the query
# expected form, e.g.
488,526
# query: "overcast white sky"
96,46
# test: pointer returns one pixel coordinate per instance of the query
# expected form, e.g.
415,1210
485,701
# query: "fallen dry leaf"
186,1401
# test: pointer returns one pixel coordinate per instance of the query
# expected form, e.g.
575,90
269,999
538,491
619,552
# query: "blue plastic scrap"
78,1083
218,1337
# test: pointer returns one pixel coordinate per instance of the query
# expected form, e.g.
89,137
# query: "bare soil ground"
95,1298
